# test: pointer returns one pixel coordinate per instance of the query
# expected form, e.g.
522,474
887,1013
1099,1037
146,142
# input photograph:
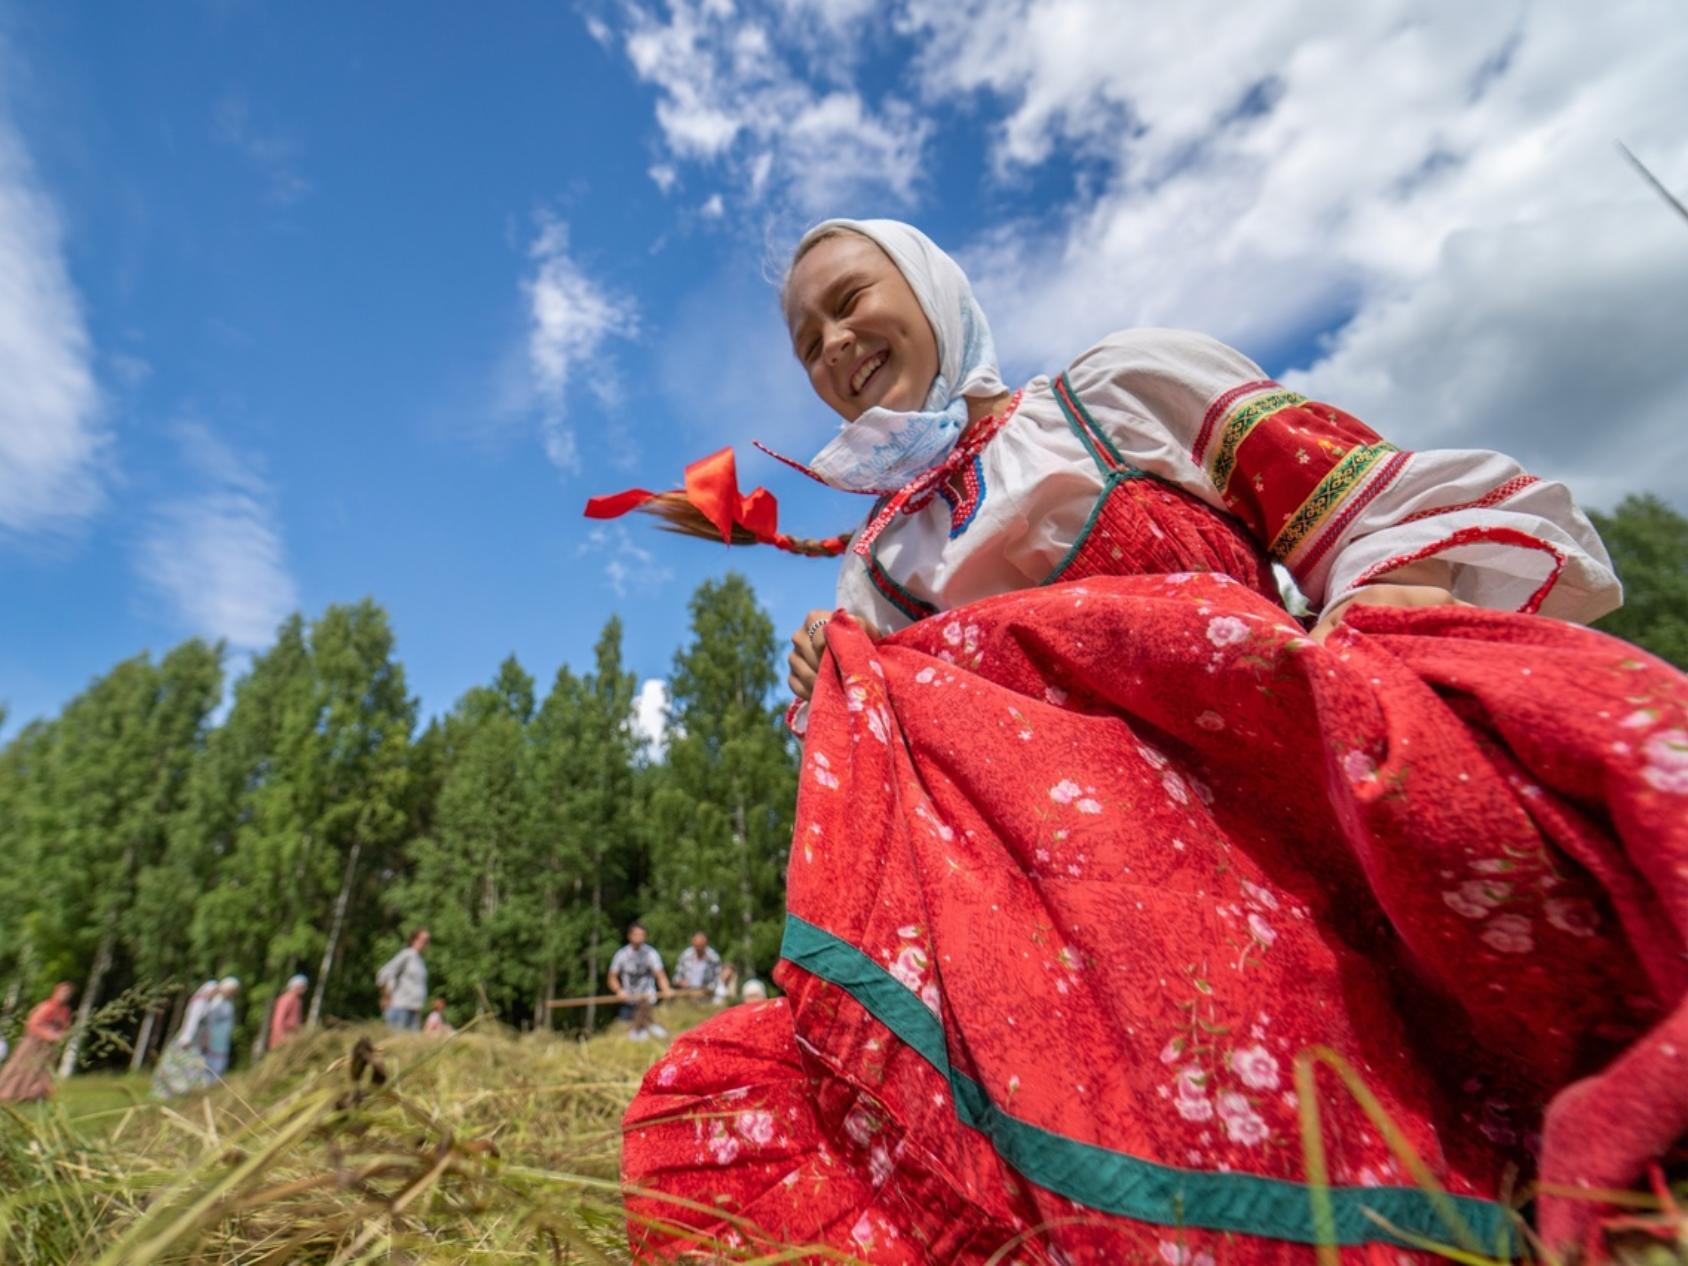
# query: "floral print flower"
1089,805
1509,934
1172,1050
910,967
1173,785
1481,894
1569,914
1191,1100
1226,630
1359,767
1054,695
1211,721
821,767
1256,1067
1260,896
723,1146
1456,900
1666,754
861,1125
1065,791
1242,1123
758,1127
1182,1255
1263,931
930,996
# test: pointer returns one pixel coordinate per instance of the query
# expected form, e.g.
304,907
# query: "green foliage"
722,807
144,848
1648,542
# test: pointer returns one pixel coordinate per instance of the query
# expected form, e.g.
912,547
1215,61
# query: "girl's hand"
1385,596
805,658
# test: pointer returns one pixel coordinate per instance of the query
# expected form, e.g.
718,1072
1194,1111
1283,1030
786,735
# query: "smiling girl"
1111,882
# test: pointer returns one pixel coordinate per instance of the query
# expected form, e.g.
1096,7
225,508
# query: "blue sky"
304,303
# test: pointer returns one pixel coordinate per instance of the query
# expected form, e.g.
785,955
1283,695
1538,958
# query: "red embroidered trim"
1337,526
1494,496
1465,536
1100,447
1219,408
918,492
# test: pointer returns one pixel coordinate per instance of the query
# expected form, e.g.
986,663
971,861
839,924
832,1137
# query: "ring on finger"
815,628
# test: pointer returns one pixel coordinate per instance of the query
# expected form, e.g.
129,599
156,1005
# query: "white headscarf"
883,449
298,980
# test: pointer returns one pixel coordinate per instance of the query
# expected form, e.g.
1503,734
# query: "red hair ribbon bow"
712,489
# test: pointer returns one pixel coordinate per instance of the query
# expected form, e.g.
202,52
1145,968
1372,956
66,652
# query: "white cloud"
55,444
628,566
273,153
1443,174
216,555
570,318
665,176
650,716
762,96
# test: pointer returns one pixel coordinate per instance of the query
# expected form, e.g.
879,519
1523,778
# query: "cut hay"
348,1146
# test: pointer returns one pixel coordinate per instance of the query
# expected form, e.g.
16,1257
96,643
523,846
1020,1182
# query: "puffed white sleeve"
1327,497
860,598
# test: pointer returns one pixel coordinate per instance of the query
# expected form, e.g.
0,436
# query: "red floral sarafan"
1127,924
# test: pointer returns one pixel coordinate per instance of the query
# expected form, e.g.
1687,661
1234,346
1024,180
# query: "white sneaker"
658,1031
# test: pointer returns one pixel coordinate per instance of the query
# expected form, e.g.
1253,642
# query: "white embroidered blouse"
1320,492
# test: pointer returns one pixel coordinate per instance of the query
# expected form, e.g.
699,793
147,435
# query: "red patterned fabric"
1134,844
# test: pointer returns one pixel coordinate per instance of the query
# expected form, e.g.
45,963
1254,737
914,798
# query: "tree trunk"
143,1041
261,1042
177,1009
741,837
90,995
333,947
592,945
548,975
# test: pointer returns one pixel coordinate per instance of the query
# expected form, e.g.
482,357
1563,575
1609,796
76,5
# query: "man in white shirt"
635,975
699,970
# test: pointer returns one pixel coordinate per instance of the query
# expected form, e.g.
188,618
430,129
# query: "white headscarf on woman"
883,449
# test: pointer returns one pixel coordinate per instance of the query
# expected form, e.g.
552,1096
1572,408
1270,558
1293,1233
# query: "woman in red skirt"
1130,920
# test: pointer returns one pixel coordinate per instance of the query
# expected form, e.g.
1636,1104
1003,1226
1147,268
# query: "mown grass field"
350,1146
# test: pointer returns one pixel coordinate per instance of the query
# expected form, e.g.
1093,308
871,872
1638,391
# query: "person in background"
219,1026
289,1012
754,991
436,1023
698,969
636,973
28,1074
182,1068
404,984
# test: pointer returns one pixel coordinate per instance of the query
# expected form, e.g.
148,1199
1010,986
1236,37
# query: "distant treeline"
144,842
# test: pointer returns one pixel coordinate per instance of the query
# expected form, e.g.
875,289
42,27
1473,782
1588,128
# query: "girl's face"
858,329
